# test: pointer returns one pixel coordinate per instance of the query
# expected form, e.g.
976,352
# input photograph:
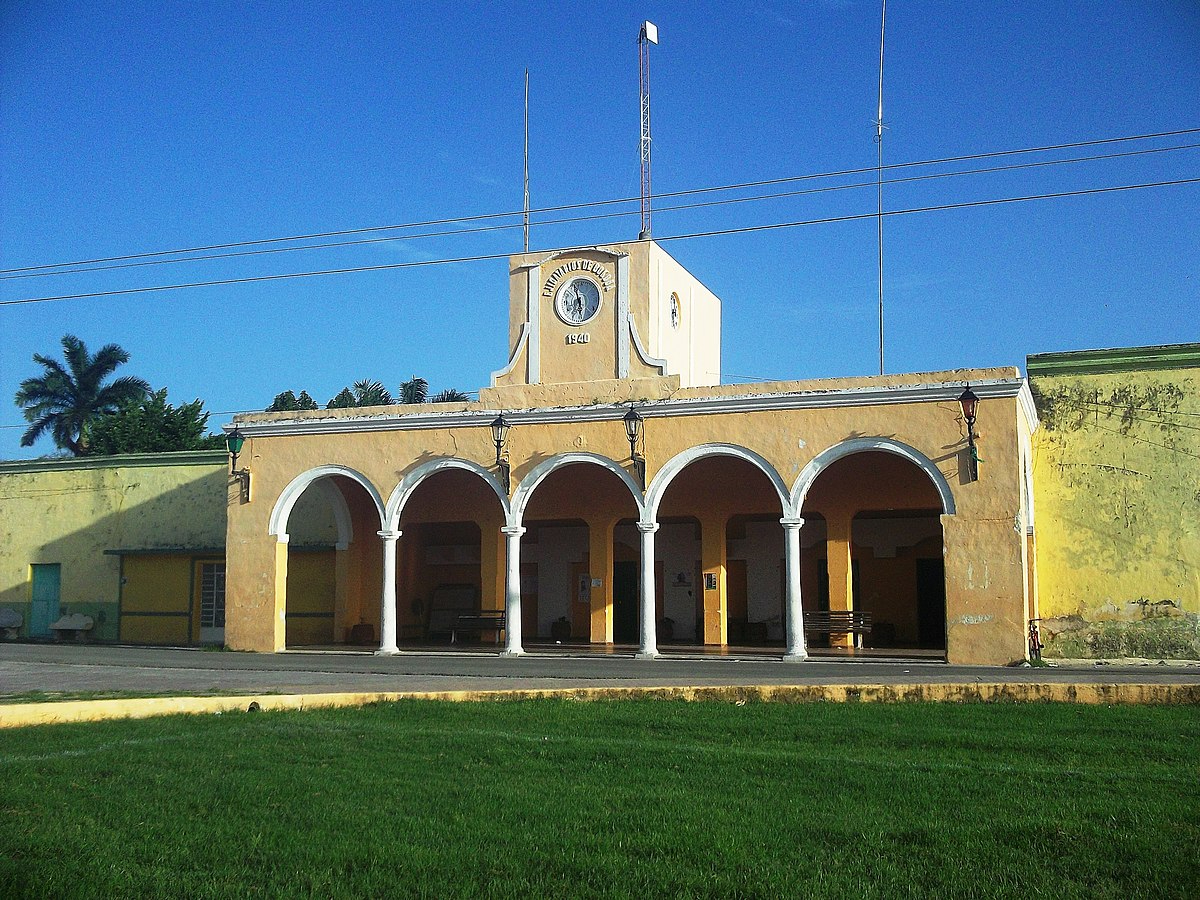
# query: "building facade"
1117,489
734,510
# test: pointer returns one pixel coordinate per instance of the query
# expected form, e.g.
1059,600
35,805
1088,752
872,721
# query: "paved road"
67,668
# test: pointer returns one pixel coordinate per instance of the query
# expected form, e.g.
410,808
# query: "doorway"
47,579
625,602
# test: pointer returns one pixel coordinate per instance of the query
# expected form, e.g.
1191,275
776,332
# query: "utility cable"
223,282
910,179
587,205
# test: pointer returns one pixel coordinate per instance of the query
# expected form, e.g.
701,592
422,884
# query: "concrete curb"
22,714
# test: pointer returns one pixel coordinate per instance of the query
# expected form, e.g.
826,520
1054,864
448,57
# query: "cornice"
124,461
1118,359
836,398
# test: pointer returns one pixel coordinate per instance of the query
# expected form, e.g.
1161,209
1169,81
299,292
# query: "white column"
512,590
387,613
796,650
649,639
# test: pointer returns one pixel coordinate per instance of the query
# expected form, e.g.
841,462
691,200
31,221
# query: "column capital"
282,537
390,535
647,527
513,530
791,522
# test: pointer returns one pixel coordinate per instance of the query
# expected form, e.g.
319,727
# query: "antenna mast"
879,181
647,36
526,207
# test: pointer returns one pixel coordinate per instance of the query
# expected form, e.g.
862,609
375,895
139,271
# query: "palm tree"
67,400
415,390
371,393
449,395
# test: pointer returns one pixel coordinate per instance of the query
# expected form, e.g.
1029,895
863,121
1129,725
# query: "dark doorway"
625,602
931,604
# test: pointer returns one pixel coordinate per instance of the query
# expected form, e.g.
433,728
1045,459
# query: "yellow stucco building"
1117,491
733,512
134,543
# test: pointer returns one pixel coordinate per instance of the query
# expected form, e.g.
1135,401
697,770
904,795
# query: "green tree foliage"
344,400
67,400
415,390
152,425
288,401
371,393
449,395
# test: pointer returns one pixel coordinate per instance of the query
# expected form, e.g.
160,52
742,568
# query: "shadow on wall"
75,519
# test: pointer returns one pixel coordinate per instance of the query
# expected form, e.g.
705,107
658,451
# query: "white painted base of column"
391,651
641,655
512,653
795,657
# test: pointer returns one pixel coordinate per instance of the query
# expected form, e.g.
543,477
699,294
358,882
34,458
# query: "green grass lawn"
637,799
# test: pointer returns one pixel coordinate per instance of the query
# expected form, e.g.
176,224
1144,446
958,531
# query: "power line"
571,206
224,282
910,179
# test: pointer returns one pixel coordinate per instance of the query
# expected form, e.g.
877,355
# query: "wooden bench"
478,623
838,621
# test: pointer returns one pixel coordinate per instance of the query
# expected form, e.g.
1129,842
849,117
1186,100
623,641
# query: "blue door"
46,580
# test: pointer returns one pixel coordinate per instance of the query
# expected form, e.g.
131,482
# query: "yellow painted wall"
1116,471
311,590
987,581
71,512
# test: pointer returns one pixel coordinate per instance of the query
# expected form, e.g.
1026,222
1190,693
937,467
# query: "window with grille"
212,595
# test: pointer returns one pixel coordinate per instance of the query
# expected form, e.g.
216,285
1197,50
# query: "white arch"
682,460
410,482
539,472
291,493
825,458
341,511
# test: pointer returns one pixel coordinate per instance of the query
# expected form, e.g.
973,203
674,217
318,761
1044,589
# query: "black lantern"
633,430
500,429
969,402
233,443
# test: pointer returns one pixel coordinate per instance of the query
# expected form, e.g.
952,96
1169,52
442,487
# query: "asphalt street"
54,668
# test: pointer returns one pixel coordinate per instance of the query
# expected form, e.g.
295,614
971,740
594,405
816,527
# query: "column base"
387,651
796,657
642,654
512,652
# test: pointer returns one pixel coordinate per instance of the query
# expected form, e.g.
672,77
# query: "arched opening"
579,557
873,529
450,557
722,546
333,561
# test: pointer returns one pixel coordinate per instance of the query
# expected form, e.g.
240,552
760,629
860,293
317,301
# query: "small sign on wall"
710,581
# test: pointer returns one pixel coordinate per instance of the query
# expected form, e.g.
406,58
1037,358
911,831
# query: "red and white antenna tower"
647,36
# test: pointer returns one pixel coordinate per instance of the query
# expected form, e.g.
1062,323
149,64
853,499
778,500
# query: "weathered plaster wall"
1117,499
71,512
986,579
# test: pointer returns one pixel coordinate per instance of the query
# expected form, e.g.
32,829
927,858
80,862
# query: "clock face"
578,301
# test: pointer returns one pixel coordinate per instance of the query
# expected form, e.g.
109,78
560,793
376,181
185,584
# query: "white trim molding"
826,458
679,462
414,479
538,474
290,494
833,398
522,345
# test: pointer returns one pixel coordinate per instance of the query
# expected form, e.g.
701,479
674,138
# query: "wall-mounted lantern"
500,427
233,443
633,430
968,402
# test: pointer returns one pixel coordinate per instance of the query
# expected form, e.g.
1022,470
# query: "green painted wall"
1116,474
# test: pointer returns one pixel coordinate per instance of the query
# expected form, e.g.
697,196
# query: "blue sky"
132,127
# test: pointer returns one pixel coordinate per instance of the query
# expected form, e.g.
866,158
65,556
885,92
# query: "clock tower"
607,323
